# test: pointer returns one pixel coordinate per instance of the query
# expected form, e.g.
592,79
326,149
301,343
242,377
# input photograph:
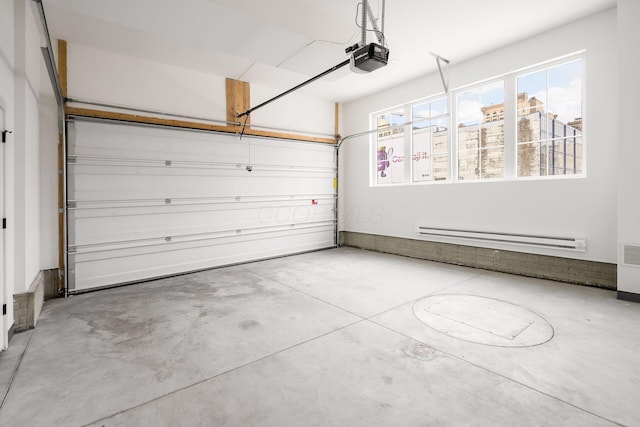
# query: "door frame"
4,317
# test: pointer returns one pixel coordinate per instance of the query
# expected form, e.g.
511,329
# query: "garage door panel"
101,269
90,209
137,169
149,144
149,202
113,226
88,187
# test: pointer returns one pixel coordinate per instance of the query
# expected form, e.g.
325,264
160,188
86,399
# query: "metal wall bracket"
439,61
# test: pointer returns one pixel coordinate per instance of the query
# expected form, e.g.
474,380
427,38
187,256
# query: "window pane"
492,161
532,159
531,127
421,115
550,109
557,157
468,165
422,154
492,134
481,132
578,155
468,138
532,92
565,85
430,139
439,107
440,168
478,105
390,148
440,136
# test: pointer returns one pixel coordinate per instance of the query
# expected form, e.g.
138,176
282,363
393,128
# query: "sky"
559,88
470,103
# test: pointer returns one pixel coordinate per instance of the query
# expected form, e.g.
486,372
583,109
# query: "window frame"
455,177
567,59
408,141
510,119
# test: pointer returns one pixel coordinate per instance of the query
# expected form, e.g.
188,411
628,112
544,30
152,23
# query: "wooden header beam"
62,66
134,118
238,100
337,122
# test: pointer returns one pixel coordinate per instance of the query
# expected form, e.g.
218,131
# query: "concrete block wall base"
27,305
590,273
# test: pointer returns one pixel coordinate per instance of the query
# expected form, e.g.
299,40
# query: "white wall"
24,215
6,102
20,68
48,171
113,78
293,112
572,207
629,142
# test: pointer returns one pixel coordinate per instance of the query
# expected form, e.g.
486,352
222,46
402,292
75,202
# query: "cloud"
564,101
469,112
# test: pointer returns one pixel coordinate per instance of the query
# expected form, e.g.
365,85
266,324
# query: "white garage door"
146,202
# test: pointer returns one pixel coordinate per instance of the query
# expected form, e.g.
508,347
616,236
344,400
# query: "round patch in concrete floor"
419,351
483,320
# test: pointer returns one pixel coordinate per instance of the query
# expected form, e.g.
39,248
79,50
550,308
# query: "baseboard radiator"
468,236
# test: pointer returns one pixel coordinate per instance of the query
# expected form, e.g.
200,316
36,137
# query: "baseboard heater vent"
631,255
440,234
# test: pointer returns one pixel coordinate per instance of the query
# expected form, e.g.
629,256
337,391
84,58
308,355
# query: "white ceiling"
280,43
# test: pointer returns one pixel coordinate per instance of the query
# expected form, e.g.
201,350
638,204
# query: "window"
430,141
549,126
390,148
481,132
523,125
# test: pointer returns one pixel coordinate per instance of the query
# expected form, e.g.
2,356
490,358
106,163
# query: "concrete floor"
340,337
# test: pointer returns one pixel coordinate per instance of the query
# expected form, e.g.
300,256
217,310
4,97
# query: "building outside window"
550,121
480,118
545,132
390,147
430,141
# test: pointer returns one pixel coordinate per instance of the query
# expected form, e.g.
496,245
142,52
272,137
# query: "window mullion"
510,128
408,146
453,137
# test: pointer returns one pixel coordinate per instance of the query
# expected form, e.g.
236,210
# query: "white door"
5,324
146,202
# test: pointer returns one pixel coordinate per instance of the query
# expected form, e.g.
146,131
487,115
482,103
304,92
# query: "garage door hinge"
4,223
4,309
